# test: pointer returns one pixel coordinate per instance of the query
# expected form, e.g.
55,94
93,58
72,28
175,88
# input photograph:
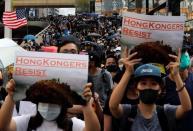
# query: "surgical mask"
184,61
111,68
148,96
49,111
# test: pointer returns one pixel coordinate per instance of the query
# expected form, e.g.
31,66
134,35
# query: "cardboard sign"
30,67
139,28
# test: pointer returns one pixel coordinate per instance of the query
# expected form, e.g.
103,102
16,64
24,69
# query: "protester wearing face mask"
111,64
52,99
146,115
171,95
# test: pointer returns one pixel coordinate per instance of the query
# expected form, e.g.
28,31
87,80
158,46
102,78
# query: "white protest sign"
30,67
7,51
139,28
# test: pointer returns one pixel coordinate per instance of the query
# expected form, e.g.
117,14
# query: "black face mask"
112,68
1,82
148,96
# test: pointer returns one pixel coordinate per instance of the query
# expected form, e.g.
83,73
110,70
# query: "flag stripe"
9,13
16,23
17,26
15,19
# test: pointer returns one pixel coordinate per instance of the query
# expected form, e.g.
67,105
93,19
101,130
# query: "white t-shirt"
25,108
22,124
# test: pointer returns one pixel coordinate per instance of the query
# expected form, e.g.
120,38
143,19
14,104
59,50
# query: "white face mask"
49,111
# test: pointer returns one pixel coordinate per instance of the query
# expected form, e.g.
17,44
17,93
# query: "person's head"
111,63
94,59
148,82
51,97
69,44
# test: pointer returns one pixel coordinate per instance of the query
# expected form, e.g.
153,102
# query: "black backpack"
125,124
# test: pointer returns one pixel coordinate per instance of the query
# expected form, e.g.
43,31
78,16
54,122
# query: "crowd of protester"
146,88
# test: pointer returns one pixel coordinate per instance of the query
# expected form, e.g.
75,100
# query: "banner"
30,67
139,28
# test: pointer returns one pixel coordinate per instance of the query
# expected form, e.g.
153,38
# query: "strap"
133,112
103,75
163,121
130,118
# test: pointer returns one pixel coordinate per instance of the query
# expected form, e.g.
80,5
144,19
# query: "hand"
128,61
96,97
10,87
174,66
87,94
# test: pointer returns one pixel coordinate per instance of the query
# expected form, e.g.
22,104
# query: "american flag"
15,19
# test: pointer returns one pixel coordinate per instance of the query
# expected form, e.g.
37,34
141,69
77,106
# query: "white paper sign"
30,67
139,28
7,51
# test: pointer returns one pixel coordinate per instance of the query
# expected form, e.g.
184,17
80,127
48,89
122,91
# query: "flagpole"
7,31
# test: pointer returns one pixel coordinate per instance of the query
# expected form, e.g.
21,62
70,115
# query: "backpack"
125,124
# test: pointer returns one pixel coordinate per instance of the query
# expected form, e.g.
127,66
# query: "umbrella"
29,37
95,47
94,35
116,35
7,51
83,25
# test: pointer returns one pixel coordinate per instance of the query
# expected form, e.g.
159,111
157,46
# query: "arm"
6,122
117,95
90,117
107,123
118,92
180,87
76,109
184,98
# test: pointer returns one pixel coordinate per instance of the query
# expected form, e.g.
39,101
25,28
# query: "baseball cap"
148,70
